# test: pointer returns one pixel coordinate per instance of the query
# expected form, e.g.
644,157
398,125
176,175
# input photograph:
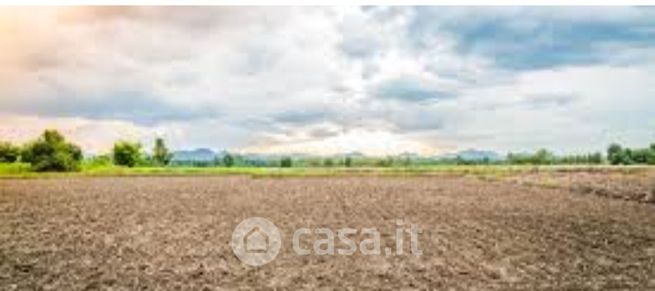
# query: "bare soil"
173,233
634,185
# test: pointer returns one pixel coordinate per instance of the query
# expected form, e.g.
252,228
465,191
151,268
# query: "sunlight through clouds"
376,80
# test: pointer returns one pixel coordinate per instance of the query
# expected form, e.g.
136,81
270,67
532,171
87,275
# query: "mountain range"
205,154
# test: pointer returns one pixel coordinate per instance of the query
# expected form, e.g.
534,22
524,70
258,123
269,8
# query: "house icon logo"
256,241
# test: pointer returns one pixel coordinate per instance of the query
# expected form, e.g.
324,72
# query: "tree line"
618,155
545,157
52,152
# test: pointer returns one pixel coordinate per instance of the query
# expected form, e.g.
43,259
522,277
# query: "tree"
228,160
348,162
328,162
9,153
615,154
651,157
543,157
596,158
160,154
126,153
627,156
286,162
385,162
641,156
51,152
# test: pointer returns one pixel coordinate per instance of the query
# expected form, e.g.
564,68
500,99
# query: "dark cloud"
413,125
323,133
301,116
138,107
409,89
537,38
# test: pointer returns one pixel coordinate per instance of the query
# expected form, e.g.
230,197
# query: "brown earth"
635,185
162,233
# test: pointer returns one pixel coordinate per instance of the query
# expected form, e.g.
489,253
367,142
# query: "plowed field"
162,233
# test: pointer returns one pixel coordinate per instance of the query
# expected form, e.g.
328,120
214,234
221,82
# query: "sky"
324,80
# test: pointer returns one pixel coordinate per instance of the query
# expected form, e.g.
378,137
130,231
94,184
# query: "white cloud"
309,79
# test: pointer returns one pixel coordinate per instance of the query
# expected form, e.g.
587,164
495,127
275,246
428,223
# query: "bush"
8,153
99,161
51,152
126,153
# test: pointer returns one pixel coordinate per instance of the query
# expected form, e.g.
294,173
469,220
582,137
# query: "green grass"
7,169
20,170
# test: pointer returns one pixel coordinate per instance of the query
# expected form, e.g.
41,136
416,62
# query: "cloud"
300,117
397,79
540,101
409,89
537,38
136,107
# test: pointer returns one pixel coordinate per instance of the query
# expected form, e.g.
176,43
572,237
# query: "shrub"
126,153
9,153
99,161
51,152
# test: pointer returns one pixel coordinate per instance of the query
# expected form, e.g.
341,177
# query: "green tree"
348,162
596,158
160,154
228,160
328,162
9,153
641,156
286,162
628,156
51,152
126,153
615,154
384,162
651,157
543,157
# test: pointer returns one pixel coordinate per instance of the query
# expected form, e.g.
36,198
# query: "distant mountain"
207,155
473,155
199,155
